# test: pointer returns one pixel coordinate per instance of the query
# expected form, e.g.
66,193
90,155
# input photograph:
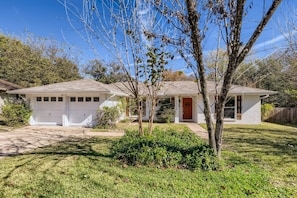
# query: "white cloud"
274,40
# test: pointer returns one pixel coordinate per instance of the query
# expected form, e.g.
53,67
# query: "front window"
229,111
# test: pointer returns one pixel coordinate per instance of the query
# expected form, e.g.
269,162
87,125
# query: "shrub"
265,111
165,148
166,111
16,112
107,117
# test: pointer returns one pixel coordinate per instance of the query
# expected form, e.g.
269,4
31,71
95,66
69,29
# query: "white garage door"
48,110
83,110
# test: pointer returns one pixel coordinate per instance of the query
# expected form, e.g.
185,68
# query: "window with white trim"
230,107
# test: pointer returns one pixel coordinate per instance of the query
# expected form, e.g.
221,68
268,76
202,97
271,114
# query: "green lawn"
271,146
260,161
121,126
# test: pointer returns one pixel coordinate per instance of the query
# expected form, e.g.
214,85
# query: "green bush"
107,117
16,112
166,111
265,111
165,148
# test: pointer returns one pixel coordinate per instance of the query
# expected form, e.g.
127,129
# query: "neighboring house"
76,103
4,87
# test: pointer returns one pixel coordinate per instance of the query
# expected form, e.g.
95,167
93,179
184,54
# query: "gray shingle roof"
170,88
77,86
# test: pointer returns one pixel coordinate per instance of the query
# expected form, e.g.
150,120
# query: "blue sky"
47,18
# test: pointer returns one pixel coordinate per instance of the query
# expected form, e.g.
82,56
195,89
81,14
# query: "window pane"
60,99
38,99
88,99
230,102
96,99
53,99
45,99
229,113
80,99
72,99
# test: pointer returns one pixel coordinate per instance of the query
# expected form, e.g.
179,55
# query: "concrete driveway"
27,138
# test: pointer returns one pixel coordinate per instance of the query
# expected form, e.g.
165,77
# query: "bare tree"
195,20
124,29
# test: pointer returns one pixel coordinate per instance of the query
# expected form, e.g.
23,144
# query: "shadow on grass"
91,148
265,141
79,147
53,165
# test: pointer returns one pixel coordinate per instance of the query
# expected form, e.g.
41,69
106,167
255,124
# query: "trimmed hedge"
165,148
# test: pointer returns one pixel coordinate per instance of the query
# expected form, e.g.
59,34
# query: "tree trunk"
139,112
151,116
193,18
235,58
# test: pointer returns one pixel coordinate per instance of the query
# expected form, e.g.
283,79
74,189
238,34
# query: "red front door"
187,108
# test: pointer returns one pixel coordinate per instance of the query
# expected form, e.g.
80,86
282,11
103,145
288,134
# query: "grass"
257,164
273,147
122,126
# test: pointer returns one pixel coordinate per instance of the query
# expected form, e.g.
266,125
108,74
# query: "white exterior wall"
251,110
200,108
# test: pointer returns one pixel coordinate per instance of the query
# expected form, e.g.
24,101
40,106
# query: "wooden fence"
283,115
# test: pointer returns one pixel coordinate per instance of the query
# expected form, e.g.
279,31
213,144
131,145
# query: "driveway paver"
27,138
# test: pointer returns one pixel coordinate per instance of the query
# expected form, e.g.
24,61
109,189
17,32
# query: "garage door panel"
48,113
83,113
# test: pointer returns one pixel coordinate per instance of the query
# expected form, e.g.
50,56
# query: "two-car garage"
65,110
73,103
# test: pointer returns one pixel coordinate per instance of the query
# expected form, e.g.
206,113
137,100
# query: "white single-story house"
4,87
76,103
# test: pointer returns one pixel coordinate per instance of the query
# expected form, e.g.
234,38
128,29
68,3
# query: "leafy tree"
195,22
153,72
170,75
34,64
277,73
105,73
121,27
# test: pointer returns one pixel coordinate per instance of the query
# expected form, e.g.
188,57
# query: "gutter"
265,96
